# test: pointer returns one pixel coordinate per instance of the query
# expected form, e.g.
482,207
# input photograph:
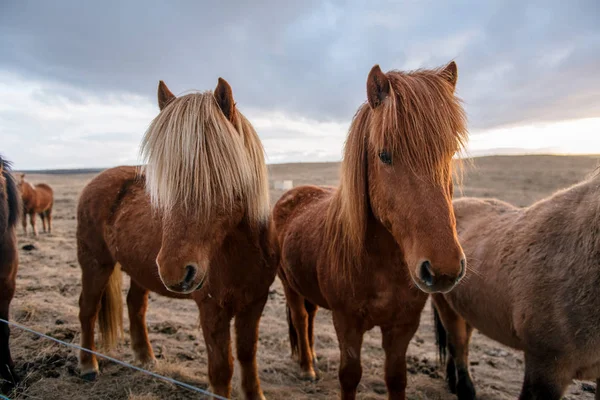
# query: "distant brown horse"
193,225
537,289
10,208
365,249
37,199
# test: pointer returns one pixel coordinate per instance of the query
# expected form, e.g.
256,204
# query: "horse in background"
192,224
373,249
10,209
537,289
37,199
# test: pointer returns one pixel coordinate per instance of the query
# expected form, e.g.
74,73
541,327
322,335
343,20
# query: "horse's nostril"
190,274
463,269
426,273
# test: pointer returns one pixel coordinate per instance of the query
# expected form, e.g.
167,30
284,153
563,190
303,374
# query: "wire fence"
122,363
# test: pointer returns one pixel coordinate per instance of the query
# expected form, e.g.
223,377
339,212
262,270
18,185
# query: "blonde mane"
422,124
196,158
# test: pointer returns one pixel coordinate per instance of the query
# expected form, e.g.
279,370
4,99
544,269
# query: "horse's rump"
295,201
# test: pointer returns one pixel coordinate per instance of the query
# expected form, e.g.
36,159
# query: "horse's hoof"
308,376
147,363
89,376
465,390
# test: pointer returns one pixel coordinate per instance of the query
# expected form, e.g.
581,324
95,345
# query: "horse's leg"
43,217
395,340
215,329
311,309
459,336
49,218
7,371
95,277
137,304
350,333
299,317
543,379
32,222
24,221
246,339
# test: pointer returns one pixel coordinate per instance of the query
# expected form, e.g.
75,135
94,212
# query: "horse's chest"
392,297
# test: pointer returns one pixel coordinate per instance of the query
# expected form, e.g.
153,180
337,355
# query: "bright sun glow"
566,137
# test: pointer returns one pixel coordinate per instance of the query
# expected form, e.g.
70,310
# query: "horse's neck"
31,192
381,245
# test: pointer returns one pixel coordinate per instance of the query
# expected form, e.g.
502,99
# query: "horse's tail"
441,336
292,332
110,317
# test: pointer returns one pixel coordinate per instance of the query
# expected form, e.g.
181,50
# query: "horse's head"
206,173
22,184
403,142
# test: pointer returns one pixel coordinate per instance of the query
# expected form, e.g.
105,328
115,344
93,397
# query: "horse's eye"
385,157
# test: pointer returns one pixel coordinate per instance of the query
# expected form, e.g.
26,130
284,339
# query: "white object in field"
282,185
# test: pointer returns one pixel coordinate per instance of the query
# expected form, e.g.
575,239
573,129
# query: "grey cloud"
518,61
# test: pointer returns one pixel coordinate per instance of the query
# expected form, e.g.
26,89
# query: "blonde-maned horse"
373,249
193,224
37,199
537,289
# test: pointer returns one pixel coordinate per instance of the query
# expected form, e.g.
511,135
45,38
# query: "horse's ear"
164,95
22,177
378,87
450,73
224,96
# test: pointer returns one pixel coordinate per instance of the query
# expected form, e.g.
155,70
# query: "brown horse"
194,224
537,289
10,209
37,199
364,250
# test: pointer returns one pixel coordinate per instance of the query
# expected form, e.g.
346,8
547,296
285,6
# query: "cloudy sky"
78,79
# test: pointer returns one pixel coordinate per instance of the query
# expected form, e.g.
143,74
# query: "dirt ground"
48,287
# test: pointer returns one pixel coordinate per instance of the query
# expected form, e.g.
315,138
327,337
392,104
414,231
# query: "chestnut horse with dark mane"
193,224
537,289
10,209
37,199
365,249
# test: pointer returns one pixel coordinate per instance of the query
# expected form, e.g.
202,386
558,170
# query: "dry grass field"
48,288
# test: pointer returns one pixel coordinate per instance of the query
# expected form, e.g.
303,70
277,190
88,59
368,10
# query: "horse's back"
45,188
470,209
104,190
299,218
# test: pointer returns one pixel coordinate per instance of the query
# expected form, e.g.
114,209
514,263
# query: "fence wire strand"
122,363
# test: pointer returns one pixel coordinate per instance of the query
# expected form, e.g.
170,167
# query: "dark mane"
12,193
421,123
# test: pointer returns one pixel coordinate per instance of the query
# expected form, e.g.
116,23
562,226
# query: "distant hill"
479,156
